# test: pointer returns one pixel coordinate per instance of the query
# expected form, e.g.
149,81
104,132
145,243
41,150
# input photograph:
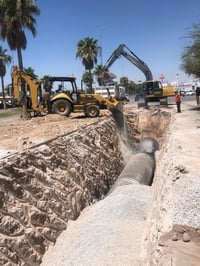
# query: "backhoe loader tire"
92,111
61,107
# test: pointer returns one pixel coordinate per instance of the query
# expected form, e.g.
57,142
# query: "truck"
150,90
62,102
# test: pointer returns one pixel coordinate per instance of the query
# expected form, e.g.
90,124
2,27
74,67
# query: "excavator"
60,102
150,90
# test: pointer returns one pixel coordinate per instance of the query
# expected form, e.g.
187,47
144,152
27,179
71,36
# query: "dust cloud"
125,142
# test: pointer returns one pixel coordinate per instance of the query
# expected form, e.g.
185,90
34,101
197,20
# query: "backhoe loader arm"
131,57
34,85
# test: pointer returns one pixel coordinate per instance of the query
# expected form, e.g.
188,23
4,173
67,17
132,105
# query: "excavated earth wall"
45,186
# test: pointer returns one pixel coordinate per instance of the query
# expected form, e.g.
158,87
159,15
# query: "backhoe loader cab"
64,100
63,84
73,100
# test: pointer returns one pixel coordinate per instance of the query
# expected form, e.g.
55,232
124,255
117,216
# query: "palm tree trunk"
24,100
3,93
91,81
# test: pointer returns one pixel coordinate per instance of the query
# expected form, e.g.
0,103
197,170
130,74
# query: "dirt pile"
18,135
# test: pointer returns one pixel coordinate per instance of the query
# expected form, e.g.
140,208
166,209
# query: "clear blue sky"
152,29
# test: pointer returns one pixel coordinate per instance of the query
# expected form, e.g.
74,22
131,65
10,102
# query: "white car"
189,93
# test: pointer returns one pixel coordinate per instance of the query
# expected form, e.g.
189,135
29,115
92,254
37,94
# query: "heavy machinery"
150,90
60,102
116,91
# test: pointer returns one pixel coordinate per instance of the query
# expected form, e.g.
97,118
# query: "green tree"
98,73
124,82
191,54
87,78
15,17
45,82
4,59
31,72
129,85
88,51
131,88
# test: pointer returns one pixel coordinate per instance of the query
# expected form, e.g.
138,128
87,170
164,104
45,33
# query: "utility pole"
101,45
177,80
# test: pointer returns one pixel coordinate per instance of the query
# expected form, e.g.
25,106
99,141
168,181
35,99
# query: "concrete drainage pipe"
141,165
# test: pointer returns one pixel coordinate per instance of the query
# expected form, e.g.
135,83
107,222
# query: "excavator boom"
133,58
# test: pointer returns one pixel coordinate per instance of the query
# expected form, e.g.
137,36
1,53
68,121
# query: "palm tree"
45,82
30,72
88,51
97,72
4,59
15,17
86,78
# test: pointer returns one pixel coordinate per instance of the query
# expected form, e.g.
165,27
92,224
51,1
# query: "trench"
44,188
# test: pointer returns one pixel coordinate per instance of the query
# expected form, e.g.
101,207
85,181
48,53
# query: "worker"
197,95
47,98
178,101
60,88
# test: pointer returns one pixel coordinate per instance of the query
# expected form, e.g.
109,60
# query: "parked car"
182,92
9,104
189,93
127,97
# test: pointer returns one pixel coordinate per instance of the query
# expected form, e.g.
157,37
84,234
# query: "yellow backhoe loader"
61,102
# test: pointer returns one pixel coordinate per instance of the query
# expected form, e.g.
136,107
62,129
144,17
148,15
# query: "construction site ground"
174,230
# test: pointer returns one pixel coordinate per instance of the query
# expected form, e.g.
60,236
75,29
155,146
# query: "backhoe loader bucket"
118,115
118,106
114,104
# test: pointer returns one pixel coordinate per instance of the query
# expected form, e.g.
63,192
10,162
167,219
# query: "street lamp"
101,45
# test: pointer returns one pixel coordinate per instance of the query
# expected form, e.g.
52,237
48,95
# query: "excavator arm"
120,51
150,90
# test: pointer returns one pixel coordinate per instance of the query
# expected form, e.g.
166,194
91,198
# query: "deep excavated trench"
44,187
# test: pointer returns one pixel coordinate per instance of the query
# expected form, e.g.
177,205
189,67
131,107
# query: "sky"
154,30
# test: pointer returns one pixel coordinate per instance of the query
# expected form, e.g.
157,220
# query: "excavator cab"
149,91
152,88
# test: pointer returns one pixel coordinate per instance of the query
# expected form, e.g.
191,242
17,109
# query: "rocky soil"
169,228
